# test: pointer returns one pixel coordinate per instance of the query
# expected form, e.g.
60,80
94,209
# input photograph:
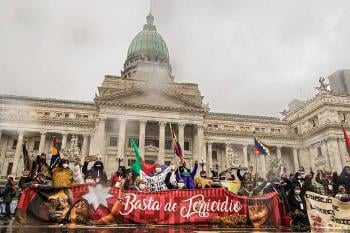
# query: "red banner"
89,204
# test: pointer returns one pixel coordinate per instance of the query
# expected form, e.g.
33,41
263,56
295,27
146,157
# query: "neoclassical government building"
145,100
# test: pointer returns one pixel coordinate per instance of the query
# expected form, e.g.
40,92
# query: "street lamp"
202,163
119,159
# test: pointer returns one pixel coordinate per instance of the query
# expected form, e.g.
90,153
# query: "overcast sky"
248,57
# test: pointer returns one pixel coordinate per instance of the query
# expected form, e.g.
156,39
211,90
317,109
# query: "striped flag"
55,154
177,147
260,147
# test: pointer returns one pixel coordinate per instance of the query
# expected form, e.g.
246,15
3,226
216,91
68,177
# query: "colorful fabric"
231,185
55,154
139,163
136,167
109,205
260,147
62,176
177,147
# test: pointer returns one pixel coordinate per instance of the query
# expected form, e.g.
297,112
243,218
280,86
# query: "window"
313,123
136,140
187,146
47,114
36,145
319,152
86,117
216,126
59,145
296,131
168,144
66,115
131,161
152,142
9,169
151,159
59,115
209,125
14,145
113,141
214,155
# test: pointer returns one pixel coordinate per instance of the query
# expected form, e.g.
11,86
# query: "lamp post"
119,159
202,163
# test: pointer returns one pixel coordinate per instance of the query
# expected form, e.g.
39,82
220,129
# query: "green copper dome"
149,44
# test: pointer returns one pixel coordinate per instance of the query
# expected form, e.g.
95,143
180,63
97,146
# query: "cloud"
248,57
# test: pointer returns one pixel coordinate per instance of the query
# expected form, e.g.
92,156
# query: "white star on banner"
97,196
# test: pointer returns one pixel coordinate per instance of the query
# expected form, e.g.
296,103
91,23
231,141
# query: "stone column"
142,137
98,141
263,165
84,148
295,159
17,153
161,154
210,156
182,136
279,155
334,155
42,142
64,141
200,144
226,159
245,155
204,157
3,146
325,153
121,139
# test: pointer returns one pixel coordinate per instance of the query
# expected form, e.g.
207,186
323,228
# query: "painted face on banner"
258,213
79,213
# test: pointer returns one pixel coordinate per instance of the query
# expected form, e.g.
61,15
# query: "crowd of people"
290,187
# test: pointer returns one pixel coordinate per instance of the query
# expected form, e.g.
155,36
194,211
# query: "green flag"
136,167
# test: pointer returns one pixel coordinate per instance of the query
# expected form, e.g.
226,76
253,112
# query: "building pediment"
149,98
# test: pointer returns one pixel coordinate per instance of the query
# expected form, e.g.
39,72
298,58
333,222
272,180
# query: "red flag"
177,148
347,140
148,168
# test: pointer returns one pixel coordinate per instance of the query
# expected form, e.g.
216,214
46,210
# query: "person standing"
8,194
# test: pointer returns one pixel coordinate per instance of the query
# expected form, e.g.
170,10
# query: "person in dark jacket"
7,195
344,178
96,172
187,175
297,206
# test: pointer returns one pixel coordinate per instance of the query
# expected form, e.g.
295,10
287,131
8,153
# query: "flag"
260,147
139,163
136,167
55,154
177,147
347,140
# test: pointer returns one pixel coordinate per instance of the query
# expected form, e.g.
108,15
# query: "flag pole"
256,159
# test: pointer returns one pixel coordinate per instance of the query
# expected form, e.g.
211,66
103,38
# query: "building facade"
145,102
